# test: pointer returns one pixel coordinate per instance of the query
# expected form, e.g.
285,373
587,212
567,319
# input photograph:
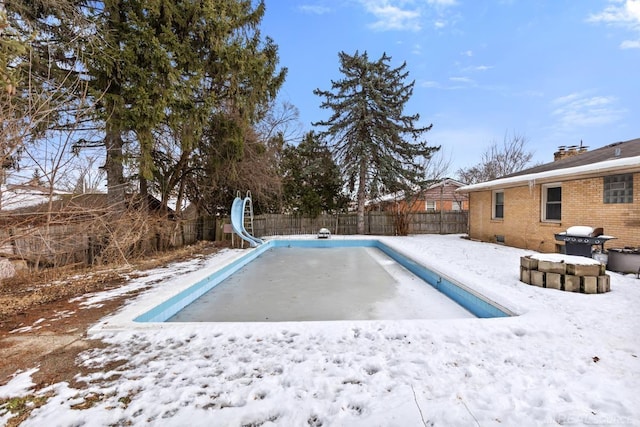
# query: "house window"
456,206
618,188
498,205
431,205
551,202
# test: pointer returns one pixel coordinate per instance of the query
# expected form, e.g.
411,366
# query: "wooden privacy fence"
94,242
378,223
85,243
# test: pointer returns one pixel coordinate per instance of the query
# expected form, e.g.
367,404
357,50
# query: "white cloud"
624,14
430,84
406,15
481,68
439,24
444,3
580,110
315,9
461,79
390,17
630,44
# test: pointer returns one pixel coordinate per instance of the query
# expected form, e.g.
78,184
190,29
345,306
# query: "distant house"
439,196
598,188
28,204
14,197
46,228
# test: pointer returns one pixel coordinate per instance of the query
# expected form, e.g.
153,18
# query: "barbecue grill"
579,240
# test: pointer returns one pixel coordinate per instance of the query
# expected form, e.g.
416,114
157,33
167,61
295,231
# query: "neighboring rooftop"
609,159
617,150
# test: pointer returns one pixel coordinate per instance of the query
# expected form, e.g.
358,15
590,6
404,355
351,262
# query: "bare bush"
497,161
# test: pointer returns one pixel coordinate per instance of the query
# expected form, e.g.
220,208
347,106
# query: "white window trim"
493,204
543,206
426,205
456,206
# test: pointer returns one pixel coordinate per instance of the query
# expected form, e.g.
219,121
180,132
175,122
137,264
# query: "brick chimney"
568,151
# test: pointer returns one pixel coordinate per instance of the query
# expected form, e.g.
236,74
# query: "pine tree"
312,183
375,144
186,65
149,65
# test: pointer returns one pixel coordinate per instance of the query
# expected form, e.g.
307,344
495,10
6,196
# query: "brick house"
598,188
439,196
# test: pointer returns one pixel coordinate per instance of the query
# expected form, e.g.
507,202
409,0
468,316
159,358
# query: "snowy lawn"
567,359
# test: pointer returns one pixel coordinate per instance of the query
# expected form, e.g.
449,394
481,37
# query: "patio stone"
572,283
553,281
552,267
537,278
590,284
604,284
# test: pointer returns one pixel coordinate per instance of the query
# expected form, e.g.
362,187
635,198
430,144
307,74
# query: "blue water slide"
237,222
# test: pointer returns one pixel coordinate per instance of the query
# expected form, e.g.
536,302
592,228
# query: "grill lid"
583,231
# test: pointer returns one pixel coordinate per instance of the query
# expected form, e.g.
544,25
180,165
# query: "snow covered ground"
567,359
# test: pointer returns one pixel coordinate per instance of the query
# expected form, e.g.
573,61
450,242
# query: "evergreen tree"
186,65
369,130
149,65
312,182
40,89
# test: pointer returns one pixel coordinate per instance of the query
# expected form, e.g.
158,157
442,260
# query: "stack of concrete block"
587,279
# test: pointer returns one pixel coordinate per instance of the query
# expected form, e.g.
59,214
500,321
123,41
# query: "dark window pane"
498,207
554,211
554,194
553,203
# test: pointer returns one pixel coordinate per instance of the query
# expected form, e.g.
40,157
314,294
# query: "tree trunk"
114,169
362,194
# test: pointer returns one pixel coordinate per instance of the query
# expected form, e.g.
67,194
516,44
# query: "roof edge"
577,171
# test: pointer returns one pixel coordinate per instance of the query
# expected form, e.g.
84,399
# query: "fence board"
376,223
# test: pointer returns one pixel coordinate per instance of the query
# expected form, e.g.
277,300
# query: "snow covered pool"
399,289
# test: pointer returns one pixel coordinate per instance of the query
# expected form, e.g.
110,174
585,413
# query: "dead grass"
53,347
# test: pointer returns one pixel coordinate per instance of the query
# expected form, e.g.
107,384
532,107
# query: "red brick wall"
582,204
443,201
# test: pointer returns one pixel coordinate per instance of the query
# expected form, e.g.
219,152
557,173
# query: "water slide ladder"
248,214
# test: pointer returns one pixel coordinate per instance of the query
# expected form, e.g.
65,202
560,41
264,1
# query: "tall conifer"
375,143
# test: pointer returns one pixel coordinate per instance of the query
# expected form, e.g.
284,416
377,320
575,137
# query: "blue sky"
554,71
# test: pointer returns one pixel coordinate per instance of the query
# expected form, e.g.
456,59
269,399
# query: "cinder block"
528,262
525,275
553,281
571,283
584,270
604,284
552,267
537,278
589,285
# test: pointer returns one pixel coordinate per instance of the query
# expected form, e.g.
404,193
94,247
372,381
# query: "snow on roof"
18,197
599,167
399,195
